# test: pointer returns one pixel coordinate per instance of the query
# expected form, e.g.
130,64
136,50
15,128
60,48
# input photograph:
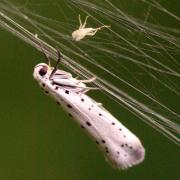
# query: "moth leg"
77,77
87,80
99,104
86,89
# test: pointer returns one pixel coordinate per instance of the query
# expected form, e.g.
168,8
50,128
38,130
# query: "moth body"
119,145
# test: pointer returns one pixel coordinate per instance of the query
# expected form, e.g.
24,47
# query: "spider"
80,33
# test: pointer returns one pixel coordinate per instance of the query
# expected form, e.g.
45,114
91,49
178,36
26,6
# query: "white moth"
82,31
119,145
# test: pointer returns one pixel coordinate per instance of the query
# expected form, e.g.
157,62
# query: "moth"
118,144
83,31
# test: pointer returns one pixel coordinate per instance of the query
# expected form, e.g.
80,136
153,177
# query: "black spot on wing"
69,106
70,115
46,92
107,151
103,141
66,91
58,103
88,123
82,126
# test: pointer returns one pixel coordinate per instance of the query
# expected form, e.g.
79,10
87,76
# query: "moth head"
41,71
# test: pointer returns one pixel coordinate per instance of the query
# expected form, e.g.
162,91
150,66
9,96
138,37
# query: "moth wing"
64,82
125,149
120,146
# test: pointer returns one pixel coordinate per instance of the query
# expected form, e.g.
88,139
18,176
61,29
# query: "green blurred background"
38,141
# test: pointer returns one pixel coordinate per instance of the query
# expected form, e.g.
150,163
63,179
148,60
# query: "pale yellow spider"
80,33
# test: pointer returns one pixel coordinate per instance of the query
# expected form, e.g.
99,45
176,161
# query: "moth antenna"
48,61
57,63
46,57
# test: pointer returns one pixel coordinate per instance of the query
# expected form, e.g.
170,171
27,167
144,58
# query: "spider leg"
104,26
84,25
80,22
94,31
